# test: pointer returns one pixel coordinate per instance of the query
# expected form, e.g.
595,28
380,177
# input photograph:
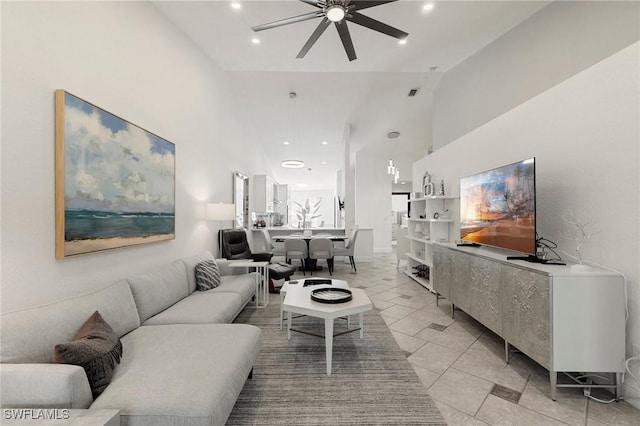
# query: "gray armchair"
348,249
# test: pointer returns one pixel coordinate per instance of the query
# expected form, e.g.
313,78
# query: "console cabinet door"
526,310
442,271
460,280
484,291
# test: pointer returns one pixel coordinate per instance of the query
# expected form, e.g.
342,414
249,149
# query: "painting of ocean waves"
115,182
91,224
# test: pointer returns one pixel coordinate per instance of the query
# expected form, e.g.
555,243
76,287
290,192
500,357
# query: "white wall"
559,41
373,195
585,135
128,59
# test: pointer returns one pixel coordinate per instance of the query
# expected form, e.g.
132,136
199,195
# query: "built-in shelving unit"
431,218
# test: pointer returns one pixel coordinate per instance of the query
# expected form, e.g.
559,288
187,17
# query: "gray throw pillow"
207,275
96,348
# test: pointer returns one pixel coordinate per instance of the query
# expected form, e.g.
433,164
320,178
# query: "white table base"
262,279
298,301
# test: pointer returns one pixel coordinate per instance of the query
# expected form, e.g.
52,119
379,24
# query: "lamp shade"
221,211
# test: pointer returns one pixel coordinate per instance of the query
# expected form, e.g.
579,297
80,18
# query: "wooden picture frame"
114,181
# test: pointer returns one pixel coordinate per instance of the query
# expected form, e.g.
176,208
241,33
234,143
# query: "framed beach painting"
115,182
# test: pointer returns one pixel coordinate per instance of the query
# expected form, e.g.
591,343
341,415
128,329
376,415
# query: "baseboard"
383,250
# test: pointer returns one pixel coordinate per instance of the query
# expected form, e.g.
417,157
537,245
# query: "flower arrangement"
305,213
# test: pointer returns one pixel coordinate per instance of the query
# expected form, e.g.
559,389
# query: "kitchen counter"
292,229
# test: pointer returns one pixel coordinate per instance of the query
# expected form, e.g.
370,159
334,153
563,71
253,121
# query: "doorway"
400,210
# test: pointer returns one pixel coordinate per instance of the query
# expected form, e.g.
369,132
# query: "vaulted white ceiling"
369,93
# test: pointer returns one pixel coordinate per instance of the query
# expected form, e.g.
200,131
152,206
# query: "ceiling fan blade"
365,21
365,4
314,37
313,3
287,21
345,36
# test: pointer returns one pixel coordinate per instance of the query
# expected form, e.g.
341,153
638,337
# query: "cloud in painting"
111,165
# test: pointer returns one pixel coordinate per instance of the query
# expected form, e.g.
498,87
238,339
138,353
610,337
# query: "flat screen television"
498,207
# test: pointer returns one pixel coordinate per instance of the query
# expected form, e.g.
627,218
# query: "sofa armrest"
225,269
44,386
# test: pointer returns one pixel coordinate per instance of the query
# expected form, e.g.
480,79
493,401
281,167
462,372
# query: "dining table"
309,264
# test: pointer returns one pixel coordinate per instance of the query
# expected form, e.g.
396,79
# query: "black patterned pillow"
207,275
96,348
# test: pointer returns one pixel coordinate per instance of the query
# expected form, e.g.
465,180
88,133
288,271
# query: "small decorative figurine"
427,185
441,192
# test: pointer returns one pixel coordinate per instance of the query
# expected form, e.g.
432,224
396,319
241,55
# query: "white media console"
566,319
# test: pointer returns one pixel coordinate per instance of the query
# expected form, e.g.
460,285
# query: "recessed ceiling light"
293,164
236,5
403,183
255,40
302,185
403,41
324,162
324,142
285,143
428,7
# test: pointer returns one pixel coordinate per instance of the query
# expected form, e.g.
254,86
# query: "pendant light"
293,163
391,168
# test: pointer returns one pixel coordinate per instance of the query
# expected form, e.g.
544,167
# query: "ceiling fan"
338,12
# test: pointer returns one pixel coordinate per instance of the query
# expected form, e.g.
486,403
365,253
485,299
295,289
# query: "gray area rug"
371,380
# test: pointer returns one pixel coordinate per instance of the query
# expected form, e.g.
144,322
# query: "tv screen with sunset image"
498,207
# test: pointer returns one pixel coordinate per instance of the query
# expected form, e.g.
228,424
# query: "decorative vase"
427,185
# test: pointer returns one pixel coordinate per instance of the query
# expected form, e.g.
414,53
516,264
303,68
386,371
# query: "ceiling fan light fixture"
292,164
335,13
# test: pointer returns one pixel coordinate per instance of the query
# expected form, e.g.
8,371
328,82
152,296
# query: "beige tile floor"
462,364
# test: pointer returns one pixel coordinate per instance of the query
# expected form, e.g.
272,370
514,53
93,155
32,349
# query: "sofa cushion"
190,266
181,374
44,386
243,285
29,335
156,291
201,308
96,348
207,275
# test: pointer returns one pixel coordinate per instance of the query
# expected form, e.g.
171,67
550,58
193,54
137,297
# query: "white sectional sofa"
183,363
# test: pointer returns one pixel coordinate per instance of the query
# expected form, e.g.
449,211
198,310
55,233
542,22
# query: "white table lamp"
221,212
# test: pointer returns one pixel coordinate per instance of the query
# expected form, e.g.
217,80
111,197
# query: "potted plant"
305,213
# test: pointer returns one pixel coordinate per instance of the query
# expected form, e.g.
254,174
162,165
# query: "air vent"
413,92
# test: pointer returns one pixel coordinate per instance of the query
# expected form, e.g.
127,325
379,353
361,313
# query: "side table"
262,279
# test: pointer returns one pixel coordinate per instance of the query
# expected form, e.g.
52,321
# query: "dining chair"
348,249
321,248
296,248
277,250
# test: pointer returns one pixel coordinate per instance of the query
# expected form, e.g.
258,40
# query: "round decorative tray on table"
331,295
